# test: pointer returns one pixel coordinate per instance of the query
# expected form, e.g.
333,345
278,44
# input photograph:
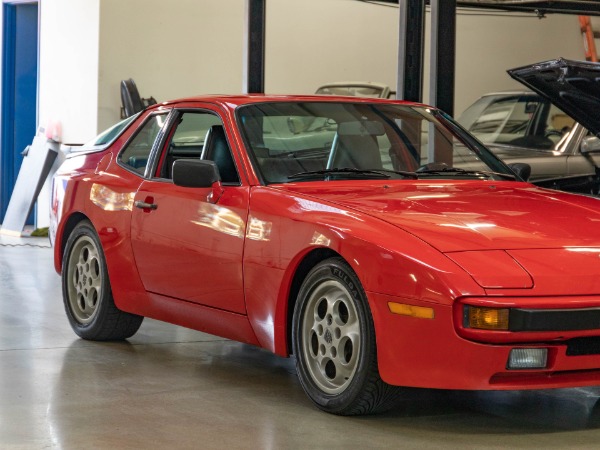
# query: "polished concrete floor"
168,387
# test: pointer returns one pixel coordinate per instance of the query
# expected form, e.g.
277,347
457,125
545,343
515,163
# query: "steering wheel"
433,166
549,133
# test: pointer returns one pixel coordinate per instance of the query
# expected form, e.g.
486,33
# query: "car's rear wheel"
334,342
87,295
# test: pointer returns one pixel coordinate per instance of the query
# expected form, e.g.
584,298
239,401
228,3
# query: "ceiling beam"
410,51
254,47
576,7
442,55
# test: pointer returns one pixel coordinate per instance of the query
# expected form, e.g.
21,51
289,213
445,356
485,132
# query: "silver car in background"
521,126
532,127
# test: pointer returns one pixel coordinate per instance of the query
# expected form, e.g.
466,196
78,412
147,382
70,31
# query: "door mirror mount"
521,170
590,144
197,173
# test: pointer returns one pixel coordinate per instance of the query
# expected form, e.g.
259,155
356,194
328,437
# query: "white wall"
68,70
68,80
171,49
178,48
314,42
489,45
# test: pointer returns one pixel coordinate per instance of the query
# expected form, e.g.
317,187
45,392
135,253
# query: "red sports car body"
374,239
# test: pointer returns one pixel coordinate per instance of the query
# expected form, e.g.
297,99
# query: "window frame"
159,137
169,129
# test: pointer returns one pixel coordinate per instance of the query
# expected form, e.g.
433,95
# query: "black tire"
333,339
86,289
130,98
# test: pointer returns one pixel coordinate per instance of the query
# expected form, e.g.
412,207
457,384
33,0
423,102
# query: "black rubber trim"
583,346
554,319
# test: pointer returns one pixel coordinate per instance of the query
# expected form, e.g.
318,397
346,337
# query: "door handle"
144,205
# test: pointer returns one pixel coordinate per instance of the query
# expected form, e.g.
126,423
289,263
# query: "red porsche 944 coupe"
374,240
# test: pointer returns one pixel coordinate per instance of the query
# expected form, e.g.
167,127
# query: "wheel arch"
62,237
310,260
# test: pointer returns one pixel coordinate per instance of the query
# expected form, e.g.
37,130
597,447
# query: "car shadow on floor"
547,410
257,376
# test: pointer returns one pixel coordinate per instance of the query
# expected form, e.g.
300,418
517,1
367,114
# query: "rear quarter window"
136,153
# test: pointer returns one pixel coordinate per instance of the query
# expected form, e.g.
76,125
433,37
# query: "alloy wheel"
331,337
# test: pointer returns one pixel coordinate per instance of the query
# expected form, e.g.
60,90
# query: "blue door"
19,92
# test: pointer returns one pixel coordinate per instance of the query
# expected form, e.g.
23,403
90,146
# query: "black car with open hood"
573,86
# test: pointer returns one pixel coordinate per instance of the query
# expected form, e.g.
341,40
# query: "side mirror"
521,170
590,144
195,173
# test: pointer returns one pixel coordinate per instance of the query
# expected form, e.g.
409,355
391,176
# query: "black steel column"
410,50
254,48
443,53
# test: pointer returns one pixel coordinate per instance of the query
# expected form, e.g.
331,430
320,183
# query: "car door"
582,167
542,146
186,245
580,174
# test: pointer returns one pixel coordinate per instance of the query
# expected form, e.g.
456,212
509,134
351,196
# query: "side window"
558,124
194,137
137,152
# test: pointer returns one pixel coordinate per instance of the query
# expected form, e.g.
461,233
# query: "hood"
573,86
473,215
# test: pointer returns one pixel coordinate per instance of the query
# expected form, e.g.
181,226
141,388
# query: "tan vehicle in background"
357,89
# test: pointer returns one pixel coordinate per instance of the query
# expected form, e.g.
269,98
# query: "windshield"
342,140
518,120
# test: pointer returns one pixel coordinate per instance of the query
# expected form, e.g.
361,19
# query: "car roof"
236,100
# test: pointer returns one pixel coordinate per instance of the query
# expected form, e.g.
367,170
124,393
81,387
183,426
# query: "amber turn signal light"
486,318
419,312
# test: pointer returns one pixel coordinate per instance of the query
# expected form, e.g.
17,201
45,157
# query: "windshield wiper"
314,173
404,173
459,171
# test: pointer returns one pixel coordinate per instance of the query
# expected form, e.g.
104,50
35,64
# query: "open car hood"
573,86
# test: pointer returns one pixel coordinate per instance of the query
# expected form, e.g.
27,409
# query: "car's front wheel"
334,343
87,294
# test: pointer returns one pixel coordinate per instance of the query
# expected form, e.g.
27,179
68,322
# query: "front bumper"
441,353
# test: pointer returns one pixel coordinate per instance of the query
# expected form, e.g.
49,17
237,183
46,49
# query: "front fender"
386,259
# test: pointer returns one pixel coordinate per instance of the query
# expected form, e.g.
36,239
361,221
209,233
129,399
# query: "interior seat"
217,149
360,152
